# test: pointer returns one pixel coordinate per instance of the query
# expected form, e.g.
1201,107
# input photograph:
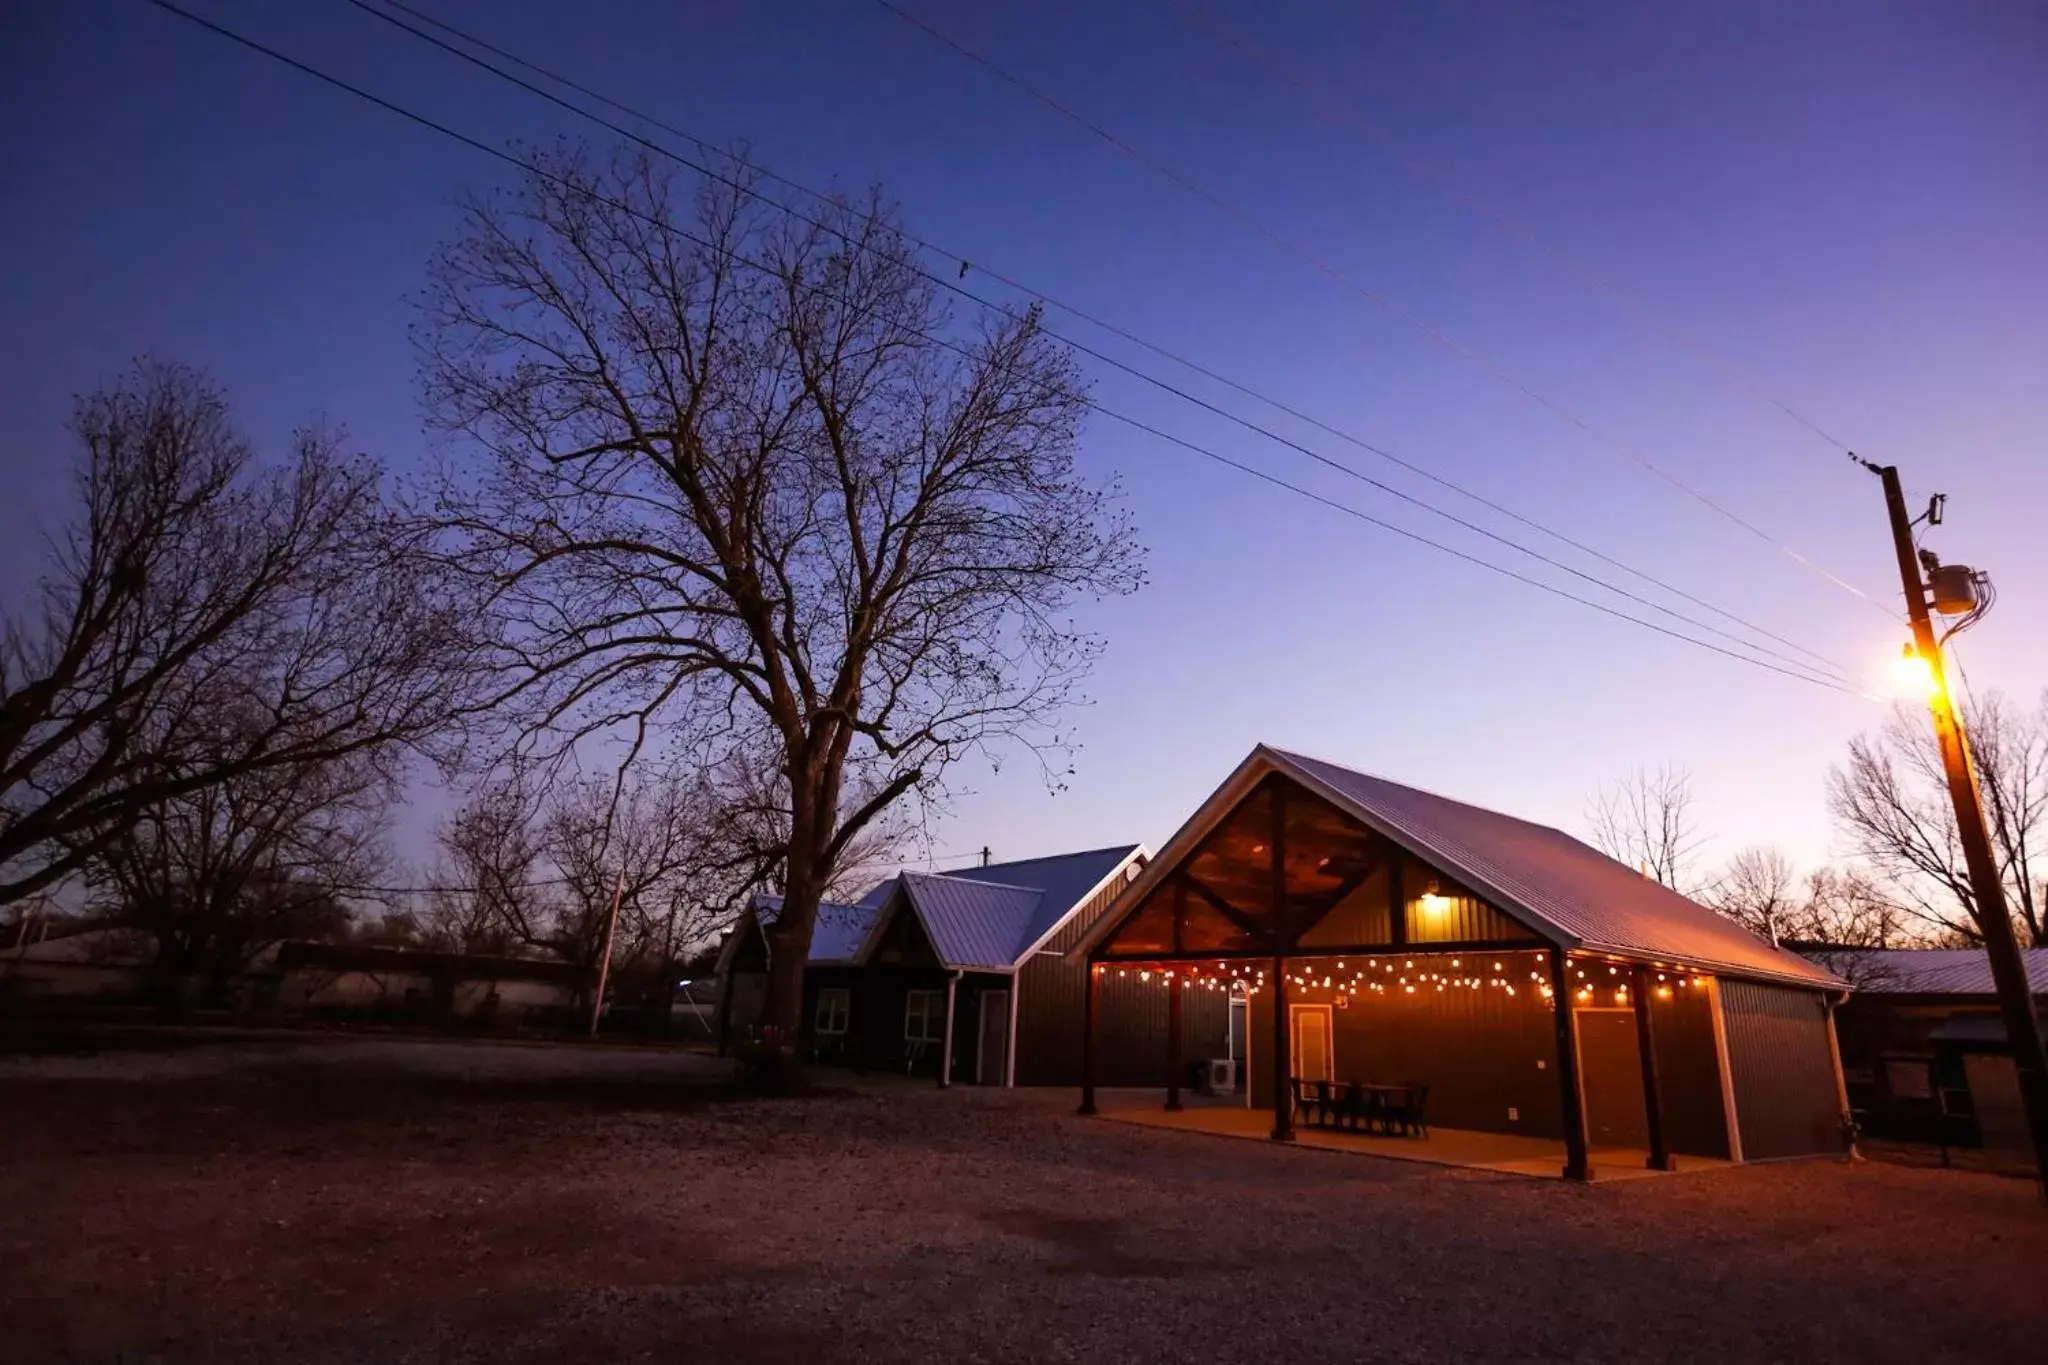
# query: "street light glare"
1912,675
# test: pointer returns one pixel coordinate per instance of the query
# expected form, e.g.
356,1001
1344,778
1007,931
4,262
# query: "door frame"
1579,1056
1007,993
1295,1014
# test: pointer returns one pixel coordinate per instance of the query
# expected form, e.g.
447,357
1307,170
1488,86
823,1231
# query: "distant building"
969,976
1924,1051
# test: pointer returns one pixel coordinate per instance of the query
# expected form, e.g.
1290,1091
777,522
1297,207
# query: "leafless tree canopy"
206,617
1840,907
523,873
749,477
1759,891
217,874
1891,800
1645,820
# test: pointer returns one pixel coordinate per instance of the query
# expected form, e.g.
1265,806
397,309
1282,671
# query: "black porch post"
1646,1044
731,983
1088,1012
1173,1001
1569,1094
1174,976
1283,1045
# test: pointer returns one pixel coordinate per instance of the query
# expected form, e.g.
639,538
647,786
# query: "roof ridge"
1423,791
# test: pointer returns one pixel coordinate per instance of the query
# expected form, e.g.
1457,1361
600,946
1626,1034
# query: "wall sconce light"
1432,902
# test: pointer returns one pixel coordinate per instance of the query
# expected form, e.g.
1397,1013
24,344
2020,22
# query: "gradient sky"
1845,204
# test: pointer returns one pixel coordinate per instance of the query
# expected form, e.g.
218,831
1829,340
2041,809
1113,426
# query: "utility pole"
2008,969
604,964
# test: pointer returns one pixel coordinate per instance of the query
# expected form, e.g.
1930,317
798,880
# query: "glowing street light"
1913,675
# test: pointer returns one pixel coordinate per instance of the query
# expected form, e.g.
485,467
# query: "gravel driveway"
303,1204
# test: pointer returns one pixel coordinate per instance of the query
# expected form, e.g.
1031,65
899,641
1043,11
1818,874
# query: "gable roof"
836,936
1066,879
1930,971
1568,892
971,924
983,919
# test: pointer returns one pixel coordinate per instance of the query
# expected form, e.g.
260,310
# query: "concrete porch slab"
1503,1153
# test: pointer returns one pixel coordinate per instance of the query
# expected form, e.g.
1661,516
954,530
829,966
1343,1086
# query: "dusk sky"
1841,208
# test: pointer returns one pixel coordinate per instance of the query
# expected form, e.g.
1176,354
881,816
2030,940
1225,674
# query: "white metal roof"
1929,971
838,932
972,923
1567,891
1066,879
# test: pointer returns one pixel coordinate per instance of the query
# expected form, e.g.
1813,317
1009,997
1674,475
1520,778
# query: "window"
833,1008
924,1016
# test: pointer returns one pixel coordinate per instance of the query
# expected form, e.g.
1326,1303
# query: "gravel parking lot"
325,1202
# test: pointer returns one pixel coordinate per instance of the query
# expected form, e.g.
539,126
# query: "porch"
1373,962
1501,1153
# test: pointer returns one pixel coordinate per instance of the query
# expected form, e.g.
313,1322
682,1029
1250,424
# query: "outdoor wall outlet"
1514,1114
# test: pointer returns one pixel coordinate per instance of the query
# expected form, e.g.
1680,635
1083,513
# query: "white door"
1312,1042
992,1059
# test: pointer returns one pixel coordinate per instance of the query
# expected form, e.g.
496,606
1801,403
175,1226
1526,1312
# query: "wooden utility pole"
1987,888
604,964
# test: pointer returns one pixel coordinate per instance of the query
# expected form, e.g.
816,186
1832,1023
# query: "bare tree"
1891,799
204,618
748,474
218,874
1758,890
489,876
1645,820
541,874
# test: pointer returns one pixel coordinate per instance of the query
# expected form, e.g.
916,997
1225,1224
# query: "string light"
1345,978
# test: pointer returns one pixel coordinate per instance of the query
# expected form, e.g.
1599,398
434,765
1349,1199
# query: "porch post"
946,1048
1646,1044
1088,1012
1570,1096
1283,1045
1173,1063
1173,1000
725,1012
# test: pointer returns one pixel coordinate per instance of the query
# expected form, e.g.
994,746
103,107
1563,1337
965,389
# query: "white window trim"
840,997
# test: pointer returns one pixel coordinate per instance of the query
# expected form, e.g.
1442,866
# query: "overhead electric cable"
954,287
1341,113
1278,239
529,168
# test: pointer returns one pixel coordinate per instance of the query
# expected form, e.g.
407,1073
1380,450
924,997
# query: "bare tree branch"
748,479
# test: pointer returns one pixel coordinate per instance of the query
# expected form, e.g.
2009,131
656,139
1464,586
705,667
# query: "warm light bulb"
1912,675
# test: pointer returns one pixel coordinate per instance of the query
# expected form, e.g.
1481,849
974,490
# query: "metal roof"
1552,881
838,932
1929,971
973,924
1066,879
1567,892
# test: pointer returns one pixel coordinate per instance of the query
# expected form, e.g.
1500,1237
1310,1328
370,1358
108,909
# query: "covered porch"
1400,1005
1499,1153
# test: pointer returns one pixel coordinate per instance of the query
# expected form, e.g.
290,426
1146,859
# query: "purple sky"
1846,205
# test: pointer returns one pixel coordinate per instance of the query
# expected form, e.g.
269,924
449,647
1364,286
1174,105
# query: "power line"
1274,237
528,168
954,287
1336,113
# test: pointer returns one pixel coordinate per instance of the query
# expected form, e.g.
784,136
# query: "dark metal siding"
1481,1052
1131,1042
1784,1073
1689,1073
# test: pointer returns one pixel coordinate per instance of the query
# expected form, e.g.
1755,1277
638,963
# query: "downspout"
946,1049
1010,1061
1849,1133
